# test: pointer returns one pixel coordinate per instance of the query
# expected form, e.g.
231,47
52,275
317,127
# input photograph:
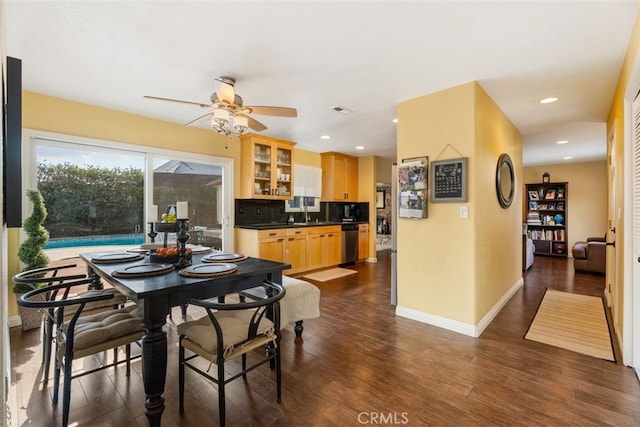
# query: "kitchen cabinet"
305,248
271,245
295,249
267,168
324,247
363,241
339,177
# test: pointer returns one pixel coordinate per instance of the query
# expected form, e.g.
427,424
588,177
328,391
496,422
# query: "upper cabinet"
266,168
339,177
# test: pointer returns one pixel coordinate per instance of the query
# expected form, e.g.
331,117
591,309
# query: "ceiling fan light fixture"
220,116
240,123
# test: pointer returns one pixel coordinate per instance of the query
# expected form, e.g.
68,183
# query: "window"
100,192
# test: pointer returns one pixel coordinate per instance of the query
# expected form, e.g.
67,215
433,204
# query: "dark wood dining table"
156,295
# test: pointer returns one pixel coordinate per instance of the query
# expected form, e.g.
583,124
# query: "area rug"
332,273
573,322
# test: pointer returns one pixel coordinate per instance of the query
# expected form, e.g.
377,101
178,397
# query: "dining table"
156,290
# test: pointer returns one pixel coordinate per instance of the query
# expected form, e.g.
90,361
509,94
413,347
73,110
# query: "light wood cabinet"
324,247
305,248
266,167
295,249
271,244
339,177
363,241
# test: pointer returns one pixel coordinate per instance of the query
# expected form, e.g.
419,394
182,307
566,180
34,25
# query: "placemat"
143,270
208,270
224,257
116,258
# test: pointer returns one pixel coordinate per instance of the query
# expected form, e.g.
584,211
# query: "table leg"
96,281
154,356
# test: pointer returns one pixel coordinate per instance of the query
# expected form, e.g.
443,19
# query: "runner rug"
573,322
332,273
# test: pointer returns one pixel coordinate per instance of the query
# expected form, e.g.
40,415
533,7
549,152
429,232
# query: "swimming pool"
116,239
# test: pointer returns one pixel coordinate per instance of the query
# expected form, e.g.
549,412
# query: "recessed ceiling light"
564,141
325,137
360,147
395,120
567,158
548,100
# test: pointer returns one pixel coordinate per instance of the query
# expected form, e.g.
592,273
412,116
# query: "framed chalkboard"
449,180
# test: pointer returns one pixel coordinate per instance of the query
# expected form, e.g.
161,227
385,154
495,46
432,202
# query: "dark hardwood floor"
360,364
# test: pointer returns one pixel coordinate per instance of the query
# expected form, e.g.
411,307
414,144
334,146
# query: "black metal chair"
48,276
230,330
81,335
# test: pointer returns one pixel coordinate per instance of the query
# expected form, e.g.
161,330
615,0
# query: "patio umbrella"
177,173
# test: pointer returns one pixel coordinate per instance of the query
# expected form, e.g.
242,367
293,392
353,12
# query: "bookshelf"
546,218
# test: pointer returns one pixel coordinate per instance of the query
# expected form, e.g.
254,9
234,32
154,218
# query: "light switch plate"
464,212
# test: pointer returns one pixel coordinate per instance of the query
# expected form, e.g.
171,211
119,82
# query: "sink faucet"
306,215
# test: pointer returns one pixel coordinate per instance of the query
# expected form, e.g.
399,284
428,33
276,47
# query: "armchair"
590,256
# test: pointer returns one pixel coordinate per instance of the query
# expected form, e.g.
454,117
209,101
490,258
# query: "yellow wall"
383,170
446,265
498,231
615,122
586,196
367,193
62,116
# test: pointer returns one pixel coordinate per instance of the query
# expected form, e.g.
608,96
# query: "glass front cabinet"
266,168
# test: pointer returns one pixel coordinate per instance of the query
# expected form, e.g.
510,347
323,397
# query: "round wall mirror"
505,181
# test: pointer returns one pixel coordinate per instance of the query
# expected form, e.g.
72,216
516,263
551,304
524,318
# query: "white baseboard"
455,325
14,321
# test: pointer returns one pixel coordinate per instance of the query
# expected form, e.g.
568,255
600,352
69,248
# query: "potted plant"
31,254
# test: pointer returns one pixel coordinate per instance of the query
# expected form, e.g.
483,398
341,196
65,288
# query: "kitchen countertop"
272,225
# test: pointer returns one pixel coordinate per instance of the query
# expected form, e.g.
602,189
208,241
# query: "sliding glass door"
106,193
197,184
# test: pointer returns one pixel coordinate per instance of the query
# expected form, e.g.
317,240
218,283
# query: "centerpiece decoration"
174,220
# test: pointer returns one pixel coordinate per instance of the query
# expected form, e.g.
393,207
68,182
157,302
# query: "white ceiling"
314,55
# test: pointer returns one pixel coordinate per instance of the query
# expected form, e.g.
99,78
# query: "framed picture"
550,194
412,204
560,206
533,195
449,180
380,199
412,174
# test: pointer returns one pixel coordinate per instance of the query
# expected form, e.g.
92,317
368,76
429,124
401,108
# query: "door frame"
631,281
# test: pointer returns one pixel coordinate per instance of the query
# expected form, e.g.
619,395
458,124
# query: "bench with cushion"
301,302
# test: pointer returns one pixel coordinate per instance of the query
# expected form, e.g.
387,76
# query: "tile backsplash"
254,211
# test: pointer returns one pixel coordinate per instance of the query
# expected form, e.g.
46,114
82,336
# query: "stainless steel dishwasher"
349,243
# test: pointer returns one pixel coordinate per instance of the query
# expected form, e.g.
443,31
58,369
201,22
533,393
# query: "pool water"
118,239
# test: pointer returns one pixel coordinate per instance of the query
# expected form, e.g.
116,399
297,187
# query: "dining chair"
230,330
81,336
55,275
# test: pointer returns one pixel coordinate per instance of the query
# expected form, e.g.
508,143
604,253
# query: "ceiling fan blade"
253,123
178,100
273,111
201,117
225,91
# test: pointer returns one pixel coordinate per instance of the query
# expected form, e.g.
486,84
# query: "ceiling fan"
228,114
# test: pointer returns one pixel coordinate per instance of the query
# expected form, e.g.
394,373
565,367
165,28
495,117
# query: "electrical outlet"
464,212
